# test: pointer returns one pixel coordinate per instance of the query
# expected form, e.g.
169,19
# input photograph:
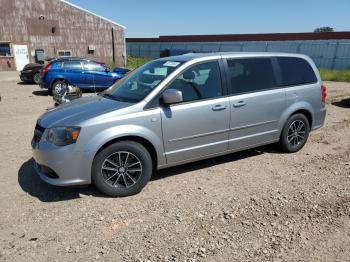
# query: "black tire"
117,182
292,141
36,78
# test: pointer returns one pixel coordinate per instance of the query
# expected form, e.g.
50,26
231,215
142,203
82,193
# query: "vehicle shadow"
25,84
40,93
30,182
345,103
177,170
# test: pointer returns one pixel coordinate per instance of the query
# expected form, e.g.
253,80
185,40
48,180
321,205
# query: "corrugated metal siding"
325,53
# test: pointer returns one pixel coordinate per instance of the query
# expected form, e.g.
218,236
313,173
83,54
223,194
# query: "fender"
120,131
297,106
57,77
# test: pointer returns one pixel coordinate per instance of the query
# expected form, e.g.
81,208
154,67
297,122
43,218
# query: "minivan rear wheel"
295,133
122,169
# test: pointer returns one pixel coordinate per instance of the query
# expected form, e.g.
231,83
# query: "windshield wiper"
106,95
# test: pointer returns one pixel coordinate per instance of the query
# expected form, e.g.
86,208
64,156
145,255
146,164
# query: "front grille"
38,133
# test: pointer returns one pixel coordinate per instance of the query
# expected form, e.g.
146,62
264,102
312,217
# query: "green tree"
324,29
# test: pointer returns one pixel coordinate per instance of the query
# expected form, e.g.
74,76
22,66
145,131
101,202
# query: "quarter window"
296,71
251,75
201,81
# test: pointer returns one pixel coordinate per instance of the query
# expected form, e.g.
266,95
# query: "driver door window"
200,82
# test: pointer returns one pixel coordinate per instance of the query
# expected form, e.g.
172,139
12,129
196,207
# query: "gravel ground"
256,205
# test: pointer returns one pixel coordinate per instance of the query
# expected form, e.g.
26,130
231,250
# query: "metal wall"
334,54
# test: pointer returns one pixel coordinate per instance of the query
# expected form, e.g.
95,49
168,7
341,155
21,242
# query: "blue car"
84,73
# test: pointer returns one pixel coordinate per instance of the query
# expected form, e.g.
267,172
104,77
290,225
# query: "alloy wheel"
121,169
60,88
296,133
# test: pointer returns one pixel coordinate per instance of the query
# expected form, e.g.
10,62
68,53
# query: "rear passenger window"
251,75
75,65
296,71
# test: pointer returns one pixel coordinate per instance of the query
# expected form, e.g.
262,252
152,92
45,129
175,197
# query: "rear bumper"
25,77
320,119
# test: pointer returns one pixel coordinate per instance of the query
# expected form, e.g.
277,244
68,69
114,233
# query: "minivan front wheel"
122,169
295,133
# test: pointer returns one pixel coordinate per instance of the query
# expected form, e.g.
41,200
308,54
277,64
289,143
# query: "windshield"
139,83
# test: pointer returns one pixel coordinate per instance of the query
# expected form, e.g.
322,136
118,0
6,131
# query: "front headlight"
62,136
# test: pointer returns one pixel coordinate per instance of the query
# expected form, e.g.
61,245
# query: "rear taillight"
47,68
324,94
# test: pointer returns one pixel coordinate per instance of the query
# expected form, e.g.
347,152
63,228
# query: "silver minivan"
178,110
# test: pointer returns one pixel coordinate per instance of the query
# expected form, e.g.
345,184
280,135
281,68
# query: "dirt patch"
256,205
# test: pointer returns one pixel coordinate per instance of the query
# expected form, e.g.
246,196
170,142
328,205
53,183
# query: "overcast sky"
152,18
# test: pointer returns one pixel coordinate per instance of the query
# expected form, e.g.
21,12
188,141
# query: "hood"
79,110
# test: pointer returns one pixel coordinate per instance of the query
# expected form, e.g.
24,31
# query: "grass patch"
335,75
134,62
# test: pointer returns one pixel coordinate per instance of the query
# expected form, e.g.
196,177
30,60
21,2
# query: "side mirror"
107,69
172,96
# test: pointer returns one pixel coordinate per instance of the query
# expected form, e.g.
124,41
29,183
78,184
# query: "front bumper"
69,166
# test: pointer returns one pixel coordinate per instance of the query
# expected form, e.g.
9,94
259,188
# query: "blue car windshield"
139,83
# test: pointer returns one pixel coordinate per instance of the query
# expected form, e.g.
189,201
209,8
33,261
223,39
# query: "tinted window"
296,71
251,75
199,82
91,66
72,65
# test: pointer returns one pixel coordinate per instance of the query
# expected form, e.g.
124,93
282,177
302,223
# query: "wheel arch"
306,113
138,139
301,107
58,78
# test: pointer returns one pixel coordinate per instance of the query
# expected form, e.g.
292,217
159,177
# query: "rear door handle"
219,107
239,104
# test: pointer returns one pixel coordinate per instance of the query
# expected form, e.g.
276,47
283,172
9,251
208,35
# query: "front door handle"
219,107
239,104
